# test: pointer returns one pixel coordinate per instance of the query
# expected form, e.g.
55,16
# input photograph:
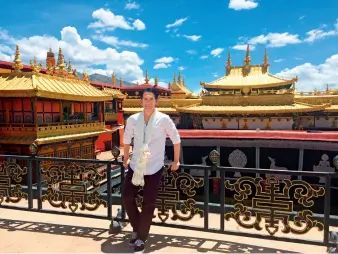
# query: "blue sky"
130,37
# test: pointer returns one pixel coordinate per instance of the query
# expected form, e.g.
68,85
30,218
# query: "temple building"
249,97
50,113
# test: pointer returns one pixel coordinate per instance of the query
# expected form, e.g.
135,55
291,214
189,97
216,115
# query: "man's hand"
174,165
126,163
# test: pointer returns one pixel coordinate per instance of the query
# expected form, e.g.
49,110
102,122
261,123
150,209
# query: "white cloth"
163,126
144,132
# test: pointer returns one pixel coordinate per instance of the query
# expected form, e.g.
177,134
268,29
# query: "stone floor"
22,231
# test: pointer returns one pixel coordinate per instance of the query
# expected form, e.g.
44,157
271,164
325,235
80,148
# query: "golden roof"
32,84
256,78
132,110
293,108
115,93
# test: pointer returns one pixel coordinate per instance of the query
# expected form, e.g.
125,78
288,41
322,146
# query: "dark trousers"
141,221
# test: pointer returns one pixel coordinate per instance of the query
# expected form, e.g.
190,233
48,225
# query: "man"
149,130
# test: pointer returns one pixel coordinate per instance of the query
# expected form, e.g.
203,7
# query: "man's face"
149,102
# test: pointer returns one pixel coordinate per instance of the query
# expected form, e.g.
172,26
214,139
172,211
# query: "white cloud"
5,57
166,59
301,17
314,76
204,57
181,68
191,52
276,39
216,52
319,33
107,20
116,42
242,4
193,37
177,23
131,6
81,51
139,25
278,60
298,58
244,47
161,66
215,74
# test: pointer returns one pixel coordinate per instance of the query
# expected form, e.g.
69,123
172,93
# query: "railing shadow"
118,243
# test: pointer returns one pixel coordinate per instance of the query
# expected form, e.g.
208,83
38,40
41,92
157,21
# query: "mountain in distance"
105,79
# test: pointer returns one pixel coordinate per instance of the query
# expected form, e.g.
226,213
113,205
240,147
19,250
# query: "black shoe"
132,239
139,246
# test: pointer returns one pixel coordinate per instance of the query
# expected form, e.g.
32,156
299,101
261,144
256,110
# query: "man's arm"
127,137
175,138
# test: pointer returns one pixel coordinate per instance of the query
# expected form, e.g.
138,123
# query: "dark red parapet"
261,134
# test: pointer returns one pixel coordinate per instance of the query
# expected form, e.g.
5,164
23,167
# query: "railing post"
30,182
327,204
39,187
109,192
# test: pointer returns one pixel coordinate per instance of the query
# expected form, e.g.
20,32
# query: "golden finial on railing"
61,60
121,82
146,78
113,79
247,59
36,67
17,65
174,78
85,76
156,81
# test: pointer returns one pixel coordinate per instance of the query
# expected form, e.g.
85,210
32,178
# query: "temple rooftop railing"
268,203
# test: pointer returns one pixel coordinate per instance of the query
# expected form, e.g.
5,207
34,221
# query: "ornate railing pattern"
70,186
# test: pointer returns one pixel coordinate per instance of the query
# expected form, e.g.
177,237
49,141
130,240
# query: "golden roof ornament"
85,76
179,80
17,65
169,85
247,59
228,67
183,82
113,79
266,59
36,67
174,78
61,60
146,78
156,81
121,82
69,67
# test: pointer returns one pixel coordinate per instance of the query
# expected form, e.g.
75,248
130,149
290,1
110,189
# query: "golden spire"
266,59
156,81
113,79
247,59
17,65
179,78
174,78
69,69
121,82
61,60
36,67
183,81
229,60
327,87
169,85
146,79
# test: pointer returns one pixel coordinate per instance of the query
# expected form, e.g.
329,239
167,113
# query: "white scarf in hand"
144,135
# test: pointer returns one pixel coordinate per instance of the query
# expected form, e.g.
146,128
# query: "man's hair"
150,90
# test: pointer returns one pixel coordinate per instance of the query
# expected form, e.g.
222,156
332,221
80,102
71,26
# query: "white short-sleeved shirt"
164,126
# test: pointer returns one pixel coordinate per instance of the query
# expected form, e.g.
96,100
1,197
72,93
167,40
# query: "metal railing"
271,204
